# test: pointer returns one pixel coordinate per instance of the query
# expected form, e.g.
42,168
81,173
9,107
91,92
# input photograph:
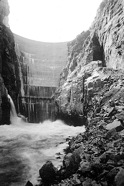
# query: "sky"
51,20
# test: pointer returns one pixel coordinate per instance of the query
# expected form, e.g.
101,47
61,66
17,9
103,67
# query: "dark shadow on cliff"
5,110
72,119
98,50
9,68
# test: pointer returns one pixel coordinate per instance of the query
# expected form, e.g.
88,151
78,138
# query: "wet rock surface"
92,89
48,173
96,157
9,67
102,43
29,184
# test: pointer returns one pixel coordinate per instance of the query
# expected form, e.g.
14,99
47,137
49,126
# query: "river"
25,147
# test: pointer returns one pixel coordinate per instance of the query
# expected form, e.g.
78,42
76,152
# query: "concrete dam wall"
40,65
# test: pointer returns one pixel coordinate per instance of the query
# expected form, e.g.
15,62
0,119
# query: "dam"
40,65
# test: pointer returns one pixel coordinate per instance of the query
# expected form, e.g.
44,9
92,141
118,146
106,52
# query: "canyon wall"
31,75
40,66
90,57
9,78
91,93
4,11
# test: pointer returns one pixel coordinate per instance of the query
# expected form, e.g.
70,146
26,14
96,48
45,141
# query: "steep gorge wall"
109,26
91,92
9,78
89,56
4,11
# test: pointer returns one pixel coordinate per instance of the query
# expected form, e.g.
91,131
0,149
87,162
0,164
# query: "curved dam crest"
40,65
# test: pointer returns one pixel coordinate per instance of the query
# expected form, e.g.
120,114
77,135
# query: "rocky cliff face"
4,11
9,77
91,92
99,48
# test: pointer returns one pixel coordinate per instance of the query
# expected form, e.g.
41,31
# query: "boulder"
111,175
85,167
111,133
120,116
104,183
119,178
111,111
48,173
116,124
94,183
29,184
71,163
96,167
87,182
108,155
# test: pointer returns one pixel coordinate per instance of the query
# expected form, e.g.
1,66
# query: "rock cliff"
9,78
4,11
99,48
91,92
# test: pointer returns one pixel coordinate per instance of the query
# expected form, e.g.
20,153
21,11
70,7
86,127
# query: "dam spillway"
40,65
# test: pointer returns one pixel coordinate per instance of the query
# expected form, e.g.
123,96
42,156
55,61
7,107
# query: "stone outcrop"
4,11
109,27
9,76
48,173
92,87
99,47
96,157
29,184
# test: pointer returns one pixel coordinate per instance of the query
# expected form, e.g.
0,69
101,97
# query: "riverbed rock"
48,173
71,163
88,182
120,116
85,167
111,133
119,178
29,184
116,124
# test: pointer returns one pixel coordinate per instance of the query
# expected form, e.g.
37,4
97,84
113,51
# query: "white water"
13,114
25,147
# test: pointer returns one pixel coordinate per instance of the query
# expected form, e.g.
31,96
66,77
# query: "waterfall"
14,118
13,110
13,114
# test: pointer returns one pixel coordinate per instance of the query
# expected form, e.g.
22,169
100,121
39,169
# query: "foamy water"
25,147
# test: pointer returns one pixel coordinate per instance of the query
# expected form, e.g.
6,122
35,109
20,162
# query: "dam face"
40,65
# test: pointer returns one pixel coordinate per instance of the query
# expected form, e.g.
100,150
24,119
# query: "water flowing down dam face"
37,109
25,147
40,65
